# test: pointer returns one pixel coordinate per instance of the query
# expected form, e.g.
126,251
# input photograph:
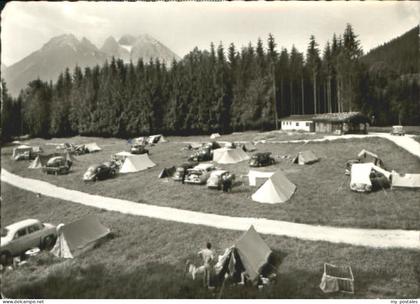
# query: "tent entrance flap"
248,255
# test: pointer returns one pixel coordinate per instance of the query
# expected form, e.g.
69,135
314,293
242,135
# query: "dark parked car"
57,165
203,154
261,159
212,145
138,149
182,169
100,172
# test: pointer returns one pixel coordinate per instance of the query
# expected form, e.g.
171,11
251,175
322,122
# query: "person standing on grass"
183,176
207,255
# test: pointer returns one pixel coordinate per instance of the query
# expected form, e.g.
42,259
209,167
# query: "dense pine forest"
223,89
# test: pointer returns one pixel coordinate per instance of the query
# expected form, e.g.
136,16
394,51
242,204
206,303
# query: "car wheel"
5,258
47,242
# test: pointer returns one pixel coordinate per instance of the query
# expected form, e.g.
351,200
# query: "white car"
21,236
216,178
199,174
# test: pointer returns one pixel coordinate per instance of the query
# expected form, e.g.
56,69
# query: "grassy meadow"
323,196
145,258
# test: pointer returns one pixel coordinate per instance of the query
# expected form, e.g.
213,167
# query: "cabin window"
308,124
297,124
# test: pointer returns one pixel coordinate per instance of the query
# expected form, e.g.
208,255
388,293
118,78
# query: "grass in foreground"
145,259
323,196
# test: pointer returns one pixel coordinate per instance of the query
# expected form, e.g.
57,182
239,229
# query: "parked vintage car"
203,154
100,171
138,149
261,159
199,174
216,178
57,165
182,169
398,130
24,235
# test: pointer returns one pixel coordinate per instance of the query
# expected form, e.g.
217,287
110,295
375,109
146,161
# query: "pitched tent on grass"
36,163
214,135
76,236
92,147
405,180
366,156
154,139
229,156
361,179
249,254
305,158
253,175
167,172
136,163
277,189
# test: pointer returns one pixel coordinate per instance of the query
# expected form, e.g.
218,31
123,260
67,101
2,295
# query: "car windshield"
91,170
196,172
4,232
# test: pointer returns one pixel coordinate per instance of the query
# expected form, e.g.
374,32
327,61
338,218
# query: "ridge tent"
305,158
154,139
277,189
214,135
167,172
229,156
92,147
366,177
405,180
253,175
249,254
366,156
136,163
77,235
36,163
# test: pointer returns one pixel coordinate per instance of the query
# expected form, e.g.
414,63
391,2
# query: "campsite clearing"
393,209
137,261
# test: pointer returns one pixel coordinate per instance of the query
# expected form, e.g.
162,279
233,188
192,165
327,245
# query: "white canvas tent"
36,163
214,135
92,147
136,163
74,237
277,189
253,175
305,158
229,156
360,179
405,180
154,139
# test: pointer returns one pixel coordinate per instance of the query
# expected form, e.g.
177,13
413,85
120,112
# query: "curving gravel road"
379,238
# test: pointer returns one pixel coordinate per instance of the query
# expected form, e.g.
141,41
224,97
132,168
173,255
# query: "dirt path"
362,237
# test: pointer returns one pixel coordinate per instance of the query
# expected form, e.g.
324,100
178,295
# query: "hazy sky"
26,26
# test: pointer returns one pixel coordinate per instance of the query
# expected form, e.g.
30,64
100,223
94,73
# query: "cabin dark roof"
298,118
355,117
